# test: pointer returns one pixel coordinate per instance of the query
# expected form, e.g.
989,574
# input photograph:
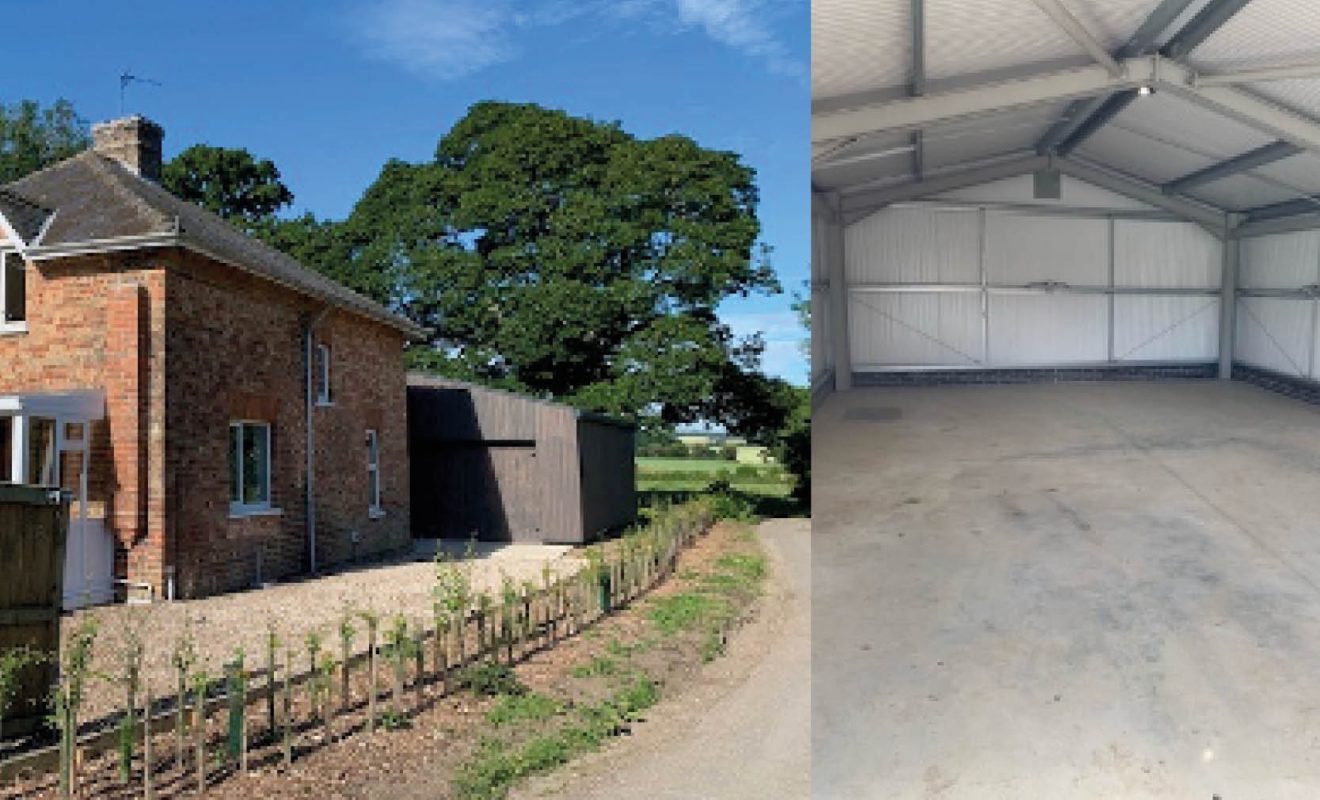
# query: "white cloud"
740,24
450,39
441,38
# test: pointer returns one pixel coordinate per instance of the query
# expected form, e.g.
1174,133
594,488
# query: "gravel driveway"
223,623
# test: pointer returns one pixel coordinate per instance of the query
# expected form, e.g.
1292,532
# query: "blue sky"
330,90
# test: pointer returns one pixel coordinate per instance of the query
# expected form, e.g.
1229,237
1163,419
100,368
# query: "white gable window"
323,375
249,468
373,475
13,292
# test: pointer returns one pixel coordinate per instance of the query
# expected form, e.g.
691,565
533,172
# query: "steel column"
1228,307
834,255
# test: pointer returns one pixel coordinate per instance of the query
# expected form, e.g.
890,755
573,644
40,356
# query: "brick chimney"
134,142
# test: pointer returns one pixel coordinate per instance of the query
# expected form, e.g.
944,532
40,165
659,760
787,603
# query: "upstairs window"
249,467
323,374
13,290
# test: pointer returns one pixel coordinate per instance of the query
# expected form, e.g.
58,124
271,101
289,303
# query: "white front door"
44,441
89,561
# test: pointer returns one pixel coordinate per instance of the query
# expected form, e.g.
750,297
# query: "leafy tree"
228,181
791,444
802,308
565,257
32,137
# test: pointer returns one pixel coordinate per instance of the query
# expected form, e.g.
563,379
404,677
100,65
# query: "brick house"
175,374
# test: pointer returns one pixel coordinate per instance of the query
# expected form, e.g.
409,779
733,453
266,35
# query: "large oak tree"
565,257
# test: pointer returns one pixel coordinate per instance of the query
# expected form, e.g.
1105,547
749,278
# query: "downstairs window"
249,467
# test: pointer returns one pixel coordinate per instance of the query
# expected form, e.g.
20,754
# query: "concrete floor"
1066,591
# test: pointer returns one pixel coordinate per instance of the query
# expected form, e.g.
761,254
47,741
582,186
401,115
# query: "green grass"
762,502
660,484
527,733
712,602
513,709
653,464
686,611
498,764
600,665
711,465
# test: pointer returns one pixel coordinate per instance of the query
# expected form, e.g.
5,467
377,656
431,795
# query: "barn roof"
1209,109
424,380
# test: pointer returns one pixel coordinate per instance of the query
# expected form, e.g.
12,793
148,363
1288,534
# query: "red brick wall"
231,345
97,322
236,351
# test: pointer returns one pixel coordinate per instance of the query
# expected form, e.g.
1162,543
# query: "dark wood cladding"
513,468
609,475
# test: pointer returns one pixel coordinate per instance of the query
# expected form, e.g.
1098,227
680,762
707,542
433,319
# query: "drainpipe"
309,353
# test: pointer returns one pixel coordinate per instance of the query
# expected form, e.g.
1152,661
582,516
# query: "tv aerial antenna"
126,79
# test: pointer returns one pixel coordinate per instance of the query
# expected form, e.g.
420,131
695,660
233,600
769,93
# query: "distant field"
692,465
695,474
767,489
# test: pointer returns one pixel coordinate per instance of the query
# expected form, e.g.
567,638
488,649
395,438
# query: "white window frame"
239,508
5,325
324,397
374,507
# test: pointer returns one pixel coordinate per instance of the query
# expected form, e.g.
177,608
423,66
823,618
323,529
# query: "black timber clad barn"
513,468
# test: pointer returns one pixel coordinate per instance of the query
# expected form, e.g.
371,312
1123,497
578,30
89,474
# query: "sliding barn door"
985,288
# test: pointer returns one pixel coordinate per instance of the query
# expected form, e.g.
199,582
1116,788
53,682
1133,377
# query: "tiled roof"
26,217
97,199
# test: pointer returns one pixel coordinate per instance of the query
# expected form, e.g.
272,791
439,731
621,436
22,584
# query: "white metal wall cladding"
1278,323
913,245
1042,329
1166,328
822,355
1276,334
992,311
1285,261
1166,255
1022,248
911,329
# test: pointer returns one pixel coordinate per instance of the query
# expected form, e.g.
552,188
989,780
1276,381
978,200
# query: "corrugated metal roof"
969,36
1299,94
1263,33
950,145
1239,192
859,45
1155,139
1299,171
1129,152
1197,128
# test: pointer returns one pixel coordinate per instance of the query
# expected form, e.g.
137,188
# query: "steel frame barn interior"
1008,189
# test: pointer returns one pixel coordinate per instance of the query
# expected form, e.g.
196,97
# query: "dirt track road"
744,730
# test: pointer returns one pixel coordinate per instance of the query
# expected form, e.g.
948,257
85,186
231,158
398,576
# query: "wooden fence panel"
33,531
